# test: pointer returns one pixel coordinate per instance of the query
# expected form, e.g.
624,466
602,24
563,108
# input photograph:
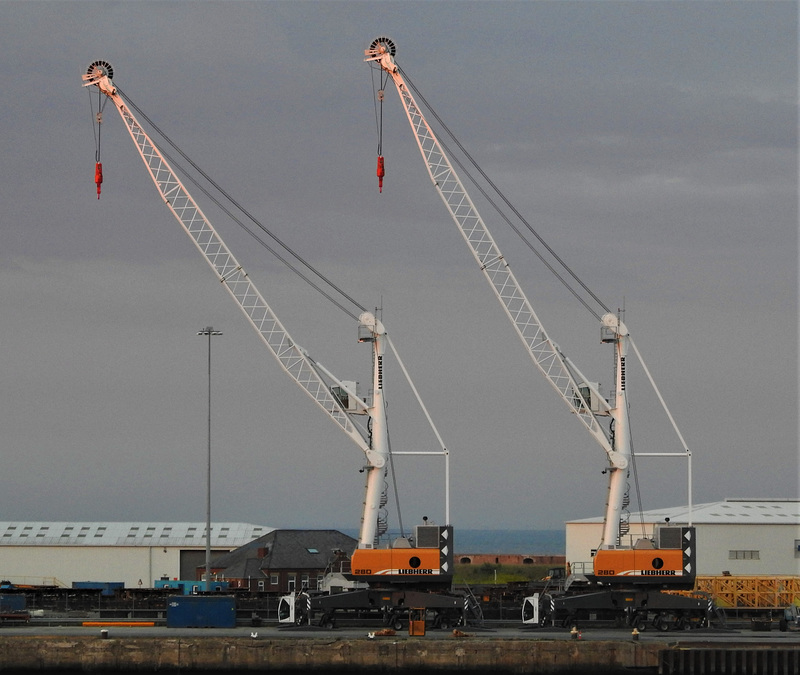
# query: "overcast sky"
652,144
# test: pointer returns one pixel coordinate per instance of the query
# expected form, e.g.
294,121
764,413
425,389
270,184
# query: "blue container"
201,611
11,602
106,587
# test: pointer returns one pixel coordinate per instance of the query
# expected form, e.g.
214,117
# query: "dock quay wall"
20,654
325,655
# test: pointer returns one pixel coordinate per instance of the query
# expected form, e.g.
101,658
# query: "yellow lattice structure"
756,592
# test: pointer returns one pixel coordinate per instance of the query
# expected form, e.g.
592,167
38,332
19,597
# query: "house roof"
29,533
728,512
284,549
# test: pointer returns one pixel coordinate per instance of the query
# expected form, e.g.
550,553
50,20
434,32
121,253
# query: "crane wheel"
103,66
383,43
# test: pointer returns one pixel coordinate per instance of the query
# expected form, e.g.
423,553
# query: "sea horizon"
484,541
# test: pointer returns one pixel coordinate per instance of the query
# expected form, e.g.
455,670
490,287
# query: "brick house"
282,561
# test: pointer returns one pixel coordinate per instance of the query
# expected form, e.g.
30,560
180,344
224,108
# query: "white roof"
227,535
730,512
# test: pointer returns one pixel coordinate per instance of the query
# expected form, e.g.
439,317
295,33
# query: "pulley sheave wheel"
383,44
100,68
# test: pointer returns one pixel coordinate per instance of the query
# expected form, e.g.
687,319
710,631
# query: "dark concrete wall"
382,654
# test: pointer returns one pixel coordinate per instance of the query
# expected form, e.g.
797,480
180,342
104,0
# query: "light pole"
210,332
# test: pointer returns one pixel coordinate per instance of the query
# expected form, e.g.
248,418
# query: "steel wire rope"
515,211
251,217
255,236
635,472
377,97
97,116
394,476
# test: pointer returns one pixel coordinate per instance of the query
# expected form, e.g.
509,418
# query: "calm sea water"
531,542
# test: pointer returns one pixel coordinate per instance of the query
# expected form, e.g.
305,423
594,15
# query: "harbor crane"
624,578
391,576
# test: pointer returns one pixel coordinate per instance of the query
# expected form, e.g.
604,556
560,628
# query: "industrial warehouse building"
759,537
740,537
60,553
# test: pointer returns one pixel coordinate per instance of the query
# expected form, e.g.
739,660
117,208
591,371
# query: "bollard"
103,634
635,634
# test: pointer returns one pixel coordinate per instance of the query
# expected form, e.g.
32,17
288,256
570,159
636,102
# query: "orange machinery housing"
425,560
667,561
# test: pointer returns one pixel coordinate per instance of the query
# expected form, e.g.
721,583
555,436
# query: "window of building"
292,583
304,581
743,555
273,579
320,577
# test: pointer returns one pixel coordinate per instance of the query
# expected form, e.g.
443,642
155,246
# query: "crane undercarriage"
638,608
